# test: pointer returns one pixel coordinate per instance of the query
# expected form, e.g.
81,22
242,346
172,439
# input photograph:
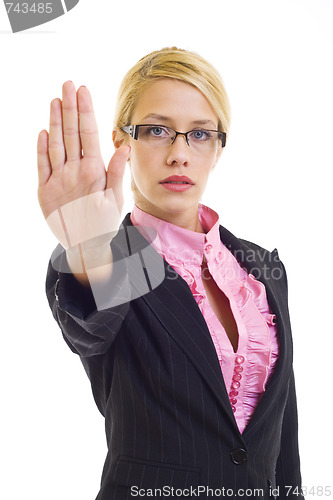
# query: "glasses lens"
203,139
155,134
158,135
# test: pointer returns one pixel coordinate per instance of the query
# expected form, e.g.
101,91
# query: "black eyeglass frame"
133,131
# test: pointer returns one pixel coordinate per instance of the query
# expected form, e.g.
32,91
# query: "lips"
177,179
177,183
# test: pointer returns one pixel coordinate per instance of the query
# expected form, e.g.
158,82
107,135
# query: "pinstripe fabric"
156,378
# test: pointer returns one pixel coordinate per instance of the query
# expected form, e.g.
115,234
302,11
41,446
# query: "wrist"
89,255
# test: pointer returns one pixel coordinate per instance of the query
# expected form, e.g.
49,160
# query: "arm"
288,476
80,200
87,330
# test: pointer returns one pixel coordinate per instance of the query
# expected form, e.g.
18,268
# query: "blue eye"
154,133
200,135
157,131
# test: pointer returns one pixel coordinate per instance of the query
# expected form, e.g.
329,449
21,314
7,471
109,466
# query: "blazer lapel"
267,268
174,305
172,302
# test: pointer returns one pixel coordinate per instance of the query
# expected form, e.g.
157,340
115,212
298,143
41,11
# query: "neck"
187,220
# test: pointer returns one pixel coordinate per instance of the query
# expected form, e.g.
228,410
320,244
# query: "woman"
183,328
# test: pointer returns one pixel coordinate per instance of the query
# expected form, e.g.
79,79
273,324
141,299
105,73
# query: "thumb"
115,172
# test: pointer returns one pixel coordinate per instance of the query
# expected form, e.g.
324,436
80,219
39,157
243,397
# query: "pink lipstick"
177,183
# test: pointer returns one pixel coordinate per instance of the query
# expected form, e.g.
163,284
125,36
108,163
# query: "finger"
88,125
43,160
56,142
70,121
115,172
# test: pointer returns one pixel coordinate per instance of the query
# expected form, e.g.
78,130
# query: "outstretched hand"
79,198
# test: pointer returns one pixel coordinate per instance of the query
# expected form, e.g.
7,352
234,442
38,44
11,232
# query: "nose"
178,151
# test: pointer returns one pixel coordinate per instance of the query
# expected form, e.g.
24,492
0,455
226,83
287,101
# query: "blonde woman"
182,327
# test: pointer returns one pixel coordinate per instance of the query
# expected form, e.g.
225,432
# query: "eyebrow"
166,118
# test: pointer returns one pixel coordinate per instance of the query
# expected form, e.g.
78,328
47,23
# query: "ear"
118,137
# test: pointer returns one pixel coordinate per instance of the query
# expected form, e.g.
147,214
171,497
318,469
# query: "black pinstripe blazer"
156,378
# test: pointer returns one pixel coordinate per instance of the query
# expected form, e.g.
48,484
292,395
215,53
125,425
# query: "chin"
175,205
168,202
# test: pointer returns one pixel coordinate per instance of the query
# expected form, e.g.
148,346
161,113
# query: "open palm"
72,175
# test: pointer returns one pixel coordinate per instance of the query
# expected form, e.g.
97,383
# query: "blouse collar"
178,244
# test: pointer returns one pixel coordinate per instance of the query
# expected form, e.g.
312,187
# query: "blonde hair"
176,63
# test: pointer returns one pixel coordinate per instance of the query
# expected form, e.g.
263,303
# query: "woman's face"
182,107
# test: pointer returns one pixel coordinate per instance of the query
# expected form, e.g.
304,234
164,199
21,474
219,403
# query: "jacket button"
238,456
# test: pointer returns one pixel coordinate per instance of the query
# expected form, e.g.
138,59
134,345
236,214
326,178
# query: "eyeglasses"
159,135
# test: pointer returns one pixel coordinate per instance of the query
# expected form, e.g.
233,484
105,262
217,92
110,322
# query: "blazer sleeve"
88,330
288,476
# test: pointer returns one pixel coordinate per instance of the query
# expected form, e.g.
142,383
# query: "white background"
272,186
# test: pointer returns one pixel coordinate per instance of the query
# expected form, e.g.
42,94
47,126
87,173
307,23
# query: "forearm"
88,325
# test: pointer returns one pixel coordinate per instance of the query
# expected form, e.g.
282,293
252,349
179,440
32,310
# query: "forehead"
175,100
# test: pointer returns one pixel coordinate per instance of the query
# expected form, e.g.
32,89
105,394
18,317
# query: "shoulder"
256,259
234,243
263,254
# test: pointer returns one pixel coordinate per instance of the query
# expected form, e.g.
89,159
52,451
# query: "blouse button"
233,401
238,369
237,377
208,248
235,385
240,359
233,394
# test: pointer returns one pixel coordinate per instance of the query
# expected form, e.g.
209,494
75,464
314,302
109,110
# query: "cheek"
212,164
143,163
208,166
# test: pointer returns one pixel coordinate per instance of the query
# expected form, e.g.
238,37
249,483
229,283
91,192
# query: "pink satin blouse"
246,371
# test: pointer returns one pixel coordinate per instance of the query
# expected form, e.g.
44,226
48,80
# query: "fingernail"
130,149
